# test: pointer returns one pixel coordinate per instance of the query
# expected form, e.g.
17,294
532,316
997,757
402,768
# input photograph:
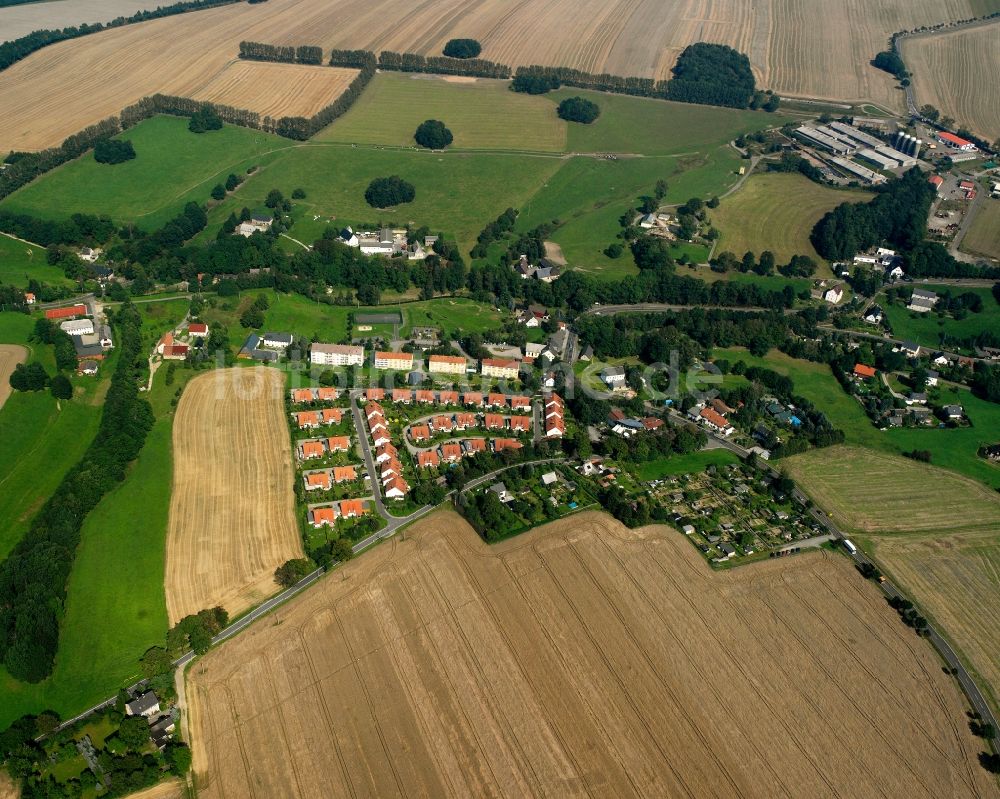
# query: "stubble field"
983,237
955,72
934,532
10,356
581,659
231,510
276,90
805,47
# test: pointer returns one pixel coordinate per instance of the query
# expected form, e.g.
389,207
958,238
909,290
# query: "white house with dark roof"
277,341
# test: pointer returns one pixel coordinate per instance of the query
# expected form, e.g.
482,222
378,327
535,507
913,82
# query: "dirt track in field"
10,356
581,659
819,48
232,521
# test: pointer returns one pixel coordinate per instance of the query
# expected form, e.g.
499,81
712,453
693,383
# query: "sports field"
983,236
935,532
276,90
927,328
232,520
172,165
20,261
776,212
482,114
950,71
580,659
810,48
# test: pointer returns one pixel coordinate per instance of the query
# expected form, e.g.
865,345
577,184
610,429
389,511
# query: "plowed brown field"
232,521
819,48
10,356
951,71
276,90
581,659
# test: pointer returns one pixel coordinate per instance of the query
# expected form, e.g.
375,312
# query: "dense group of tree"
79,229
463,48
889,61
113,151
713,74
195,631
389,191
12,298
433,135
790,162
441,65
34,575
578,109
355,59
260,51
494,231
206,118
14,50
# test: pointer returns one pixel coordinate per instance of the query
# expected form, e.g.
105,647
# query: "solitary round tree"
576,109
462,48
433,135
393,190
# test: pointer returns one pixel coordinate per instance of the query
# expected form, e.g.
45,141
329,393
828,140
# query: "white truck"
850,546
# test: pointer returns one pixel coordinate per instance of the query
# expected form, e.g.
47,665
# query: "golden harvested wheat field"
276,90
817,48
956,72
10,356
231,509
581,659
934,532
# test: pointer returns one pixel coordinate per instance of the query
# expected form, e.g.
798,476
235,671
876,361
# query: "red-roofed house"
520,424
716,420
198,329
500,444
385,452
307,419
473,398
373,409
317,481
302,395
494,421
312,449
351,508
420,432
344,474
464,420
70,312
442,424
321,516
955,142
499,367
425,395
864,371
331,415
451,452
326,393
446,364
448,398
936,181
396,488
426,460
554,426
519,402
375,394
403,395
393,360
473,446
497,400
339,443
652,423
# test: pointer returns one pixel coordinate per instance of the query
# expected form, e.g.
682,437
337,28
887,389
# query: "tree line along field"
812,48
983,236
276,90
579,659
776,212
20,20
938,534
232,521
954,71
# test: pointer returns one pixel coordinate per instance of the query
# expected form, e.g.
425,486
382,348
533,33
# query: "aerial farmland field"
938,534
951,72
776,212
231,513
811,48
579,659
983,237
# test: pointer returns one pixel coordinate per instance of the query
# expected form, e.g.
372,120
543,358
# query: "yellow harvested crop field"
983,236
818,48
232,521
276,90
581,659
10,356
956,72
934,532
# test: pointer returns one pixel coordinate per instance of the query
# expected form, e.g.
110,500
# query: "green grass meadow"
172,165
20,261
685,464
926,328
481,114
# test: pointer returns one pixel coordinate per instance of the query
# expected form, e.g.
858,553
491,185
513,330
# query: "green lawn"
776,212
657,127
685,464
115,606
482,114
926,328
951,449
42,438
456,192
172,166
20,261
